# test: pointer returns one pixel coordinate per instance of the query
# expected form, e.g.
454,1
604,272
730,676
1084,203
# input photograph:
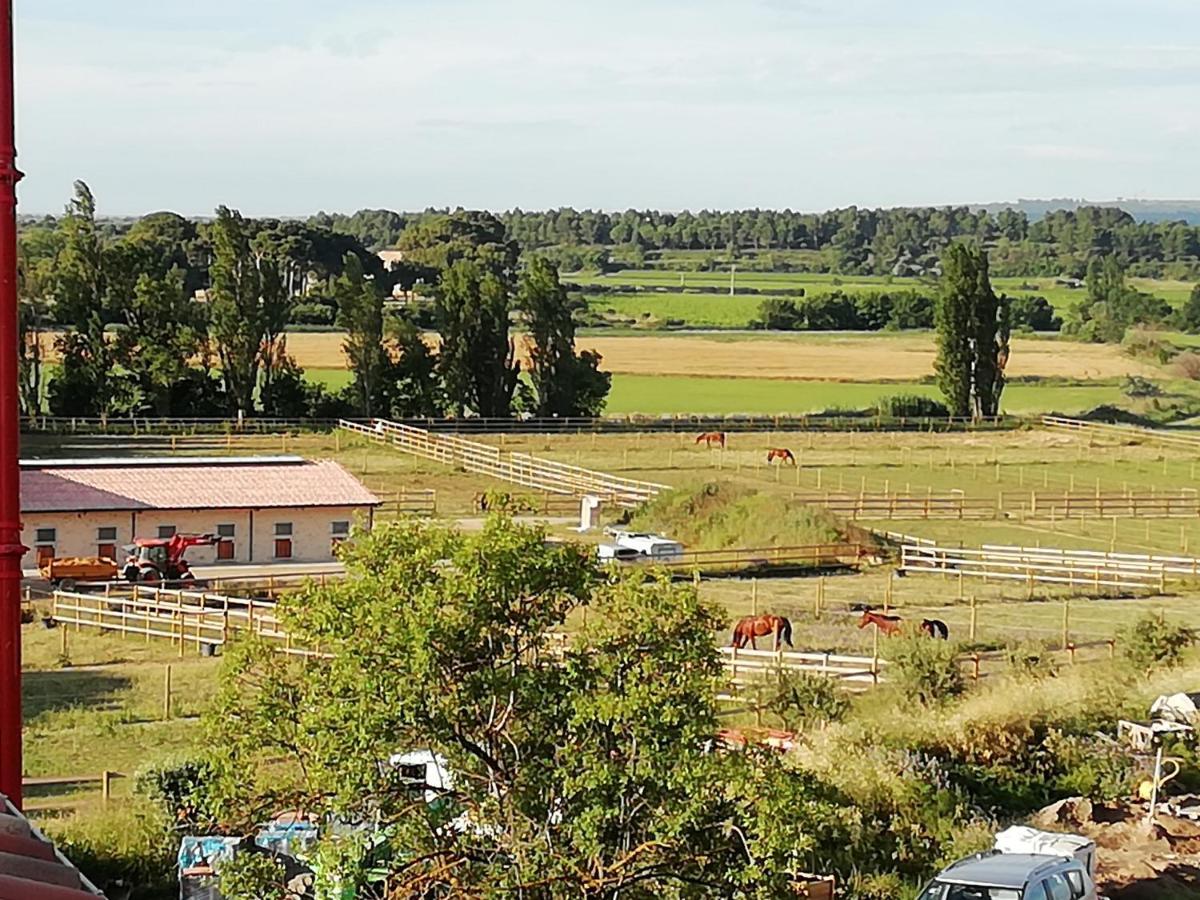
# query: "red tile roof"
80,485
30,867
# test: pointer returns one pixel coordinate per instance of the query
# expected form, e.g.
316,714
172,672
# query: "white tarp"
1181,708
1022,839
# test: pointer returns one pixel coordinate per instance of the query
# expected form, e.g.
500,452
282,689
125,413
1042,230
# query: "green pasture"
1060,297
917,464
696,310
665,394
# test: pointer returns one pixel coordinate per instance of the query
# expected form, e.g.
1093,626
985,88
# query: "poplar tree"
360,313
972,334
237,321
566,384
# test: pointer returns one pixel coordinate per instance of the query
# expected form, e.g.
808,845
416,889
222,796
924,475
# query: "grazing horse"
712,437
751,627
783,454
889,625
935,628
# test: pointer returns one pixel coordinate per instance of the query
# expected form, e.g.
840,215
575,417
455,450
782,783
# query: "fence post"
1066,623
105,786
875,649
974,618
754,596
167,693
975,666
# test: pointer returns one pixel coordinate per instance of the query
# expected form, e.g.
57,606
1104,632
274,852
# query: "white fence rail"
515,468
758,663
1158,435
1043,565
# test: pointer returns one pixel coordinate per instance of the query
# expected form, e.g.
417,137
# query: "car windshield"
940,890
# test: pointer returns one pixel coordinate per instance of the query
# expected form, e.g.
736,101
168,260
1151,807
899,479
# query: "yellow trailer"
66,572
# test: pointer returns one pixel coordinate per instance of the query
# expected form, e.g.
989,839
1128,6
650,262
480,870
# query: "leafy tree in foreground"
972,334
566,384
589,775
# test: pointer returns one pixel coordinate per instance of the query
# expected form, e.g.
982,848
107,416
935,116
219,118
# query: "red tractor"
158,560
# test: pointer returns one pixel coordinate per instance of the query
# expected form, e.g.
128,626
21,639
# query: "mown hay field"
826,357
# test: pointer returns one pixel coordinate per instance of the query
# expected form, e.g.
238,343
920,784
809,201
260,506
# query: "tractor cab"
161,559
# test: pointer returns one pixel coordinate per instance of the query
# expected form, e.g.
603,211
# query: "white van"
654,547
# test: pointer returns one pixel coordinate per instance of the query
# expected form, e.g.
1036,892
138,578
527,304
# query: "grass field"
681,394
1059,296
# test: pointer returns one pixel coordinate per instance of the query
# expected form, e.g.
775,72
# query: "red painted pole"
11,550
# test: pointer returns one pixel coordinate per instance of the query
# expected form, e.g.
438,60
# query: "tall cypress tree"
972,334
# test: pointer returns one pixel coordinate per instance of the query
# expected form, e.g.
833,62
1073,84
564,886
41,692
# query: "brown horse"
751,627
712,437
889,625
783,454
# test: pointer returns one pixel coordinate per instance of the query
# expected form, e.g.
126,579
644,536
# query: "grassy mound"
718,515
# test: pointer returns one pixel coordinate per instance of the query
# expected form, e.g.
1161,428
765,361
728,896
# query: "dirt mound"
1135,859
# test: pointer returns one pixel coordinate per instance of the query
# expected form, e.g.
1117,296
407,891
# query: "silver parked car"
1012,876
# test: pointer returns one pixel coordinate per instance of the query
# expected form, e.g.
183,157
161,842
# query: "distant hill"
1142,210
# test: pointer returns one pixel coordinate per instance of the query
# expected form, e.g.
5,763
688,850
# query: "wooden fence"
1184,439
412,502
516,468
886,506
102,781
615,424
200,619
806,555
1075,568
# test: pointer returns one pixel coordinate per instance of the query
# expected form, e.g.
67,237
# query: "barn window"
226,531
47,535
339,529
283,529
107,534
166,531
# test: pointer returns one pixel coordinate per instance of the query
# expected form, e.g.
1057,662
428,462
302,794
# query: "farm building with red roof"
263,509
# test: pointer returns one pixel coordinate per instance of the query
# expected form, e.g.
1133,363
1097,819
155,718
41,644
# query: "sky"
285,107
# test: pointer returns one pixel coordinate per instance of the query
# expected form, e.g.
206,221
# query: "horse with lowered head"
751,627
712,437
783,454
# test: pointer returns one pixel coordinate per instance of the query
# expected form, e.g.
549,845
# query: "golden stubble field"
849,358
906,357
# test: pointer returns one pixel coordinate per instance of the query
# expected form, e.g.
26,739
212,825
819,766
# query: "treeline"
884,311
881,241
900,241
174,317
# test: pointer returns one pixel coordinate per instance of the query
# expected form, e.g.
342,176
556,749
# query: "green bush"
1030,659
924,669
132,845
1152,643
911,406
253,876
799,698
1090,768
180,789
